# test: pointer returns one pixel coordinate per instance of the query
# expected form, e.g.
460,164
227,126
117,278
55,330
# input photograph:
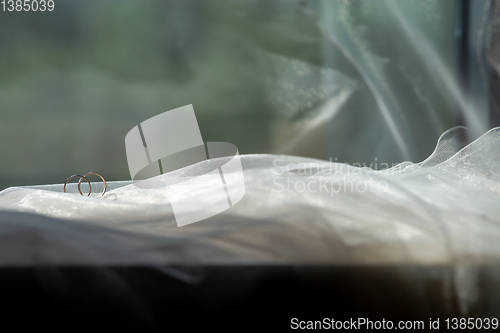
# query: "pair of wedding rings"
84,177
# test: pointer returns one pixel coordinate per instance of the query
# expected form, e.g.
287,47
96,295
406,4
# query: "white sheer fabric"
441,211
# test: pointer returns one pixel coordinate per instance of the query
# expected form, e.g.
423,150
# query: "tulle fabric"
443,210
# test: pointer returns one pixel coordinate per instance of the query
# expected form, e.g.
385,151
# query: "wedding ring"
93,173
81,178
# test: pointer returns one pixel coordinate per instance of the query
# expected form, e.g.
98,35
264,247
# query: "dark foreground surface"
230,297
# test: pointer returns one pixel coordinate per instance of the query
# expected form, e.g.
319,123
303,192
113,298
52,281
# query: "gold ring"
93,173
81,178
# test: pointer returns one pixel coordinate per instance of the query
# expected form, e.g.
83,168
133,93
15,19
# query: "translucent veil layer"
295,210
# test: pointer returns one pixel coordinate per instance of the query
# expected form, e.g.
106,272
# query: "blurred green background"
322,79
